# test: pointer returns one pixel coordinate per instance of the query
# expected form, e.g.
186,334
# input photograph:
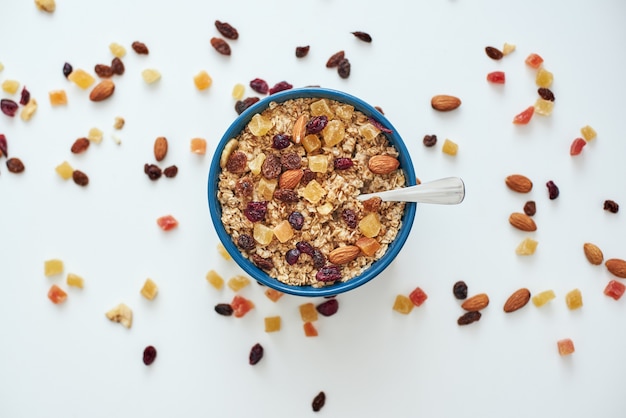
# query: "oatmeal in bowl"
282,192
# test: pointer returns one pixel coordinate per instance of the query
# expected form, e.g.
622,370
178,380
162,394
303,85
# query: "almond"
343,255
519,183
517,300
290,179
617,267
383,164
445,103
299,129
102,91
476,302
593,253
160,148
522,222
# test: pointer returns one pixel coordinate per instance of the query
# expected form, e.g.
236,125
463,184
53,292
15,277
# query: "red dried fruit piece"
496,77
170,171
220,46
302,51
334,60
167,222
316,124
25,96
553,190
319,260
255,211
614,289
259,85
56,294
577,146
149,355
117,66
103,71
256,354
292,256
328,308
328,274
524,117
365,37
534,60
80,178
418,296
3,146
343,163
611,206
140,48
281,141
152,171
227,31
241,306
8,107
280,86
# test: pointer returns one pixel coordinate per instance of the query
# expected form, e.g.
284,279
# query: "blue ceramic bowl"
216,211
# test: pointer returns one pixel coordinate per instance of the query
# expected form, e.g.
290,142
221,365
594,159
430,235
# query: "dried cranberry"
553,190
245,242
328,308
25,97
328,274
220,46
379,125
430,140
242,105
226,30
280,86
149,355
316,124
365,37
460,290
319,260
224,309
343,163
302,51
171,171
296,220
117,66
286,195
290,161
152,171
259,85
255,211
349,217
611,206
244,187
318,401
334,60
262,263
3,146
8,107
256,354
343,69
305,247
67,69
281,141
292,256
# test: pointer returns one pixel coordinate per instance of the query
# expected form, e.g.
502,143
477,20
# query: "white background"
70,361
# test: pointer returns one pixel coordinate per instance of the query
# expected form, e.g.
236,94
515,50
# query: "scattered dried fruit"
496,77
149,355
80,178
469,317
75,280
542,298
611,206
153,171
46,5
588,133
52,267
459,289
150,75
81,78
574,299
64,170
614,289
80,146
256,354
403,305
524,117
236,283
15,165
220,46
56,294
553,190
227,30
198,146
533,60
449,147
272,323
57,98
170,171
121,314
530,208
319,401
167,222
328,308
140,48
119,122
363,36
335,59
344,68
309,329
430,140
224,309
302,51
517,300
202,80
565,346
215,279
418,296
493,53
149,290
528,246
241,306
545,94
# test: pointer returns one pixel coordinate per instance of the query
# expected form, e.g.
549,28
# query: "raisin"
280,86
292,256
469,317
342,163
553,190
319,260
460,290
259,85
256,354
67,69
546,94
242,105
140,48
244,187
493,53
80,178
271,167
262,263
24,97
224,309
281,141
80,145
290,161
302,51
170,171
226,30
430,140
152,171
149,355
343,69
305,247
296,220
245,242
372,204
255,211
4,150
319,401
15,165
349,217
237,162
328,308
220,46
611,206
307,176
334,60
117,66
103,71
365,37
8,107
530,208
379,125
286,195
316,124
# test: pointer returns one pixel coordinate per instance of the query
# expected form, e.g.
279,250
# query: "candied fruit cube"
81,78
260,125
369,246
574,299
95,135
370,225
149,289
56,294
238,91
308,313
345,112
368,131
29,110
215,279
333,133
117,49
496,77
241,306
588,133
577,146
52,267
283,231
533,60
74,280
198,146
318,163
255,166
403,305
272,323
236,283
565,346
262,234
320,107
57,97
64,170
508,48
150,75
265,189
524,116
10,86
202,80
223,252
614,289
526,247
449,147
544,107
167,222
325,209
313,192
273,294
418,296
311,143
544,78
542,298
309,329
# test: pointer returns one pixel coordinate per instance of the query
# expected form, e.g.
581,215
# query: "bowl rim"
216,211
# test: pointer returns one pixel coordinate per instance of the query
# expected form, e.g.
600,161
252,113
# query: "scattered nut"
102,91
593,253
445,103
517,300
160,148
476,303
383,164
119,122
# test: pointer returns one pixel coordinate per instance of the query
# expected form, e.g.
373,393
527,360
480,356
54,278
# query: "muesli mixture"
288,191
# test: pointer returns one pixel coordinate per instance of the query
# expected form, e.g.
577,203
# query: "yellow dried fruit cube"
74,280
544,78
265,188
273,294
272,323
333,133
117,50
260,125
222,251
544,107
403,305
449,147
150,75
345,112
574,299
325,209
262,234
57,97
313,192
64,170
215,279
255,165
368,131
320,107
283,231
52,267
318,163
29,110
149,289
311,143
236,283
95,135
198,146
526,247
81,78
588,133
542,298
308,313
369,246
238,91
202,80
508,48
10,86
370,225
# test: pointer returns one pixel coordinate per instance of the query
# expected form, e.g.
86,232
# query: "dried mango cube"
202,80
74,280
262,234
588,133
345,112
117,50
56,294
52,267
309,329
10,86
320,108
333,133
223,252
95,135
150,75
542,298
313,192
29,110
121,314
369,246
403,305
198,146
149,289
81,78
368,131
544,78
318,163
283,231
273,294
57,97
565,346
64,170
272,323
370,225
255,166
544,107
449,147
526,247
215,279
265,188
260,125
574,299
308,313
508,48
311,143
236,283
238,91
325,209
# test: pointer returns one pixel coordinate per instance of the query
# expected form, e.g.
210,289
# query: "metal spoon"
446,191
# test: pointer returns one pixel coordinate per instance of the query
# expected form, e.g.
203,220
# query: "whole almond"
519,183
476,302
299,129
343,255
102,91
445,103
593,253
290,179
383,164
522,222
617,267
517,300
160,148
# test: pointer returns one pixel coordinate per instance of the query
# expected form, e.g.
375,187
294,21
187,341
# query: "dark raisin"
319,260
15,165
430,140
305,247
333,61
611,206
255,211
237,162
286,195
103,71
328,308
8,107
316,124
344,67
4,150
271,167
149,355
244,187
259,85
292,256
290,161
302,51
245,242
372,204
460,290
328,274
220,46
80,145
117,66
365,37
170,171
349,217
380,109
242,105
469,317
24,97
226,30
342,163
262,263
67,69
493,53
80,178
280,86
296,220
553,190
152,171
546,94
530,208
281,141
224,309
140,48
307,176
256,354
319,401
379,125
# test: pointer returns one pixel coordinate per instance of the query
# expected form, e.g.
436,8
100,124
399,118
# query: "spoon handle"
445,191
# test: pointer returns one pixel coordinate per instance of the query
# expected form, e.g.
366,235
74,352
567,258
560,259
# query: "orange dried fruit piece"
10,86
64,170
320,107
236,283
369,246
215,279
202,80
262,234
198,146
238,91
309,329
57,97
283,231
565,346
370,225
526,247
333,133
260,125
149,289
318,163
56,294
75,280
241,306
81,78
574,299
533,60
403,305
167,222
313,192
272,323
449,147
52,267
542,298
588,133
524,116
273,294
223,252
311,143
544,78
308,313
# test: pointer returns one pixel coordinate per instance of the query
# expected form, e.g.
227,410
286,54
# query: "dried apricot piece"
565,346
198,146
273,294
308,313
309,329
149,289
53,267
524,117
75,280
241,306
57,97
56,294
574,299
202,80
533,60
272,323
